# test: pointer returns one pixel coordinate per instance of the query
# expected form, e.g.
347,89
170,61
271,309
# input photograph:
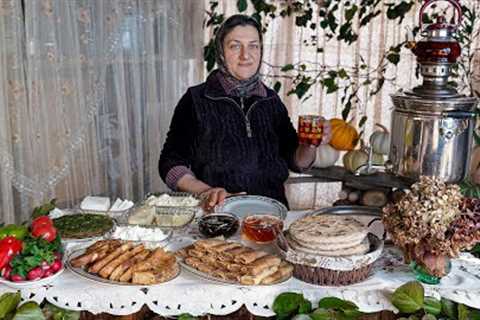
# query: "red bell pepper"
9,248
45,231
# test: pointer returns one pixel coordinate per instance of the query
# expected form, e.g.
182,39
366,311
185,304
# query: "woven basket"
331,271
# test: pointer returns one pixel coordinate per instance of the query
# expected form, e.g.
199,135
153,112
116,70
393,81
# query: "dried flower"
433,219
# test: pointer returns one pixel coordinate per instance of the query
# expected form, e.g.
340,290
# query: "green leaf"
342,73
336,303
449,308
277,86
287,67
29,311
346,110
53,312
302,88
393,57
330,84
474,315
305,307
399,11
432,306
209,55
362,121
242,5
409,297
8,303
350,13
288,304
322,314
462,312
352,314
186,316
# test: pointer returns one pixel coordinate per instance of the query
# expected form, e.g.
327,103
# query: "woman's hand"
213,196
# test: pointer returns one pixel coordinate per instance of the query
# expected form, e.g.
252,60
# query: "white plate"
93,277
244,206
31,284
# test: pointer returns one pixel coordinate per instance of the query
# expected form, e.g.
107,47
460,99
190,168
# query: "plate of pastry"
118,262
232,263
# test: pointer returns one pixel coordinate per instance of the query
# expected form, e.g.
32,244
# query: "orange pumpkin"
344,135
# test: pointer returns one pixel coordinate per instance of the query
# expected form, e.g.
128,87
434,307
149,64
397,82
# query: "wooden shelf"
337,173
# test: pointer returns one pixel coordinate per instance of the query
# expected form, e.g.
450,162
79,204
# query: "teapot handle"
454,3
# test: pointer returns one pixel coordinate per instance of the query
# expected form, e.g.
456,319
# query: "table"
190,294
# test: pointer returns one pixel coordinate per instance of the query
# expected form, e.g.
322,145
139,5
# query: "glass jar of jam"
261,228
218,224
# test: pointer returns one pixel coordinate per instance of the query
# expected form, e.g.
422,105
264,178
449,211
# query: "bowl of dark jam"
218,224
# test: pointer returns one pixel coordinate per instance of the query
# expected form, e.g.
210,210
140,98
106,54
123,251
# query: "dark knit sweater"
247,150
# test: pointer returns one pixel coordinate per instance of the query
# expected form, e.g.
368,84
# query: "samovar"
432,124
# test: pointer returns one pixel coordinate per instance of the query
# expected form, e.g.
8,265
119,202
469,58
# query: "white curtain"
284,44
87,90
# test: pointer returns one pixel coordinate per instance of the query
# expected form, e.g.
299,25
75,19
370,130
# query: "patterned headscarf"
234,86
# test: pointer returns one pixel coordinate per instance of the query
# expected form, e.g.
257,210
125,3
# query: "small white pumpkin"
354,159
326,156
380,140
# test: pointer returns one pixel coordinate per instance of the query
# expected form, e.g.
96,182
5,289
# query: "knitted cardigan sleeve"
177,150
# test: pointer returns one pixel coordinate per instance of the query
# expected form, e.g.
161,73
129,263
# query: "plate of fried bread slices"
123,263
231,262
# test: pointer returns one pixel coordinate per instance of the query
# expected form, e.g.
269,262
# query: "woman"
232,134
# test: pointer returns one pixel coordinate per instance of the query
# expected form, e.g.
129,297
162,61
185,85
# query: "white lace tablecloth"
190,294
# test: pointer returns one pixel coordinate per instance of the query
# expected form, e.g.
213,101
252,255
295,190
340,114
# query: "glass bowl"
261,228
218,224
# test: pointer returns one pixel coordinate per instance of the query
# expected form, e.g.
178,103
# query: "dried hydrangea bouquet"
432,223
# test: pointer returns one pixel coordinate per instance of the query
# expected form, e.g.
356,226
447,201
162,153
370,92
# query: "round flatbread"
359,249
334,231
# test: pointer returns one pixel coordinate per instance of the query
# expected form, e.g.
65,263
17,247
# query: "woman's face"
241,47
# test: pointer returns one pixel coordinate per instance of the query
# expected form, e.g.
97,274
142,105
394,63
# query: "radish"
35,273
58,255
47,273
5,273
56,265
45,266
17,278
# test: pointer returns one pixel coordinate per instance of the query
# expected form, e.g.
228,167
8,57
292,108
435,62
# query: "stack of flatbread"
328,235
125,261
235,263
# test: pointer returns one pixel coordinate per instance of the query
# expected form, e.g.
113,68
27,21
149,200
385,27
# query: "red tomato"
46,232
43,220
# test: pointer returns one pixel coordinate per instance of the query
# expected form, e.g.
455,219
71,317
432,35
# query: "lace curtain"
87,90
284,44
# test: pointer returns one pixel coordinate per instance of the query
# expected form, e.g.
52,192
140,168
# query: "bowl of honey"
218,224
261,228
